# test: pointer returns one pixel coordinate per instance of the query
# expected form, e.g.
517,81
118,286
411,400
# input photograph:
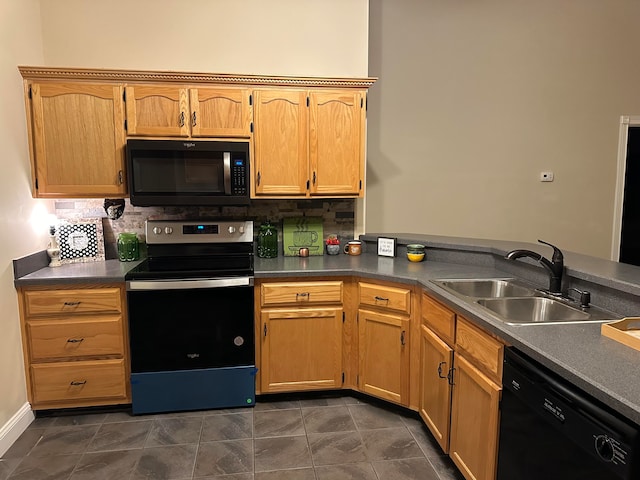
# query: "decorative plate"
81,241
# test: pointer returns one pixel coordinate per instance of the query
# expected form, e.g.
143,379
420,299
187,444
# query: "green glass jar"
128,247
267,240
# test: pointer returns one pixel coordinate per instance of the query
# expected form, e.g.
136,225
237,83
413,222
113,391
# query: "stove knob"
604,447
157,230
241,230
168,230
232,229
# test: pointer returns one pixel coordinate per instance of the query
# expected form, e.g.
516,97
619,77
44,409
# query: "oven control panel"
206,231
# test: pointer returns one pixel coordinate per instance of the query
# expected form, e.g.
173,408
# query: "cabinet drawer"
98,336
480,348
381,296
78,380
439,319
307,293
56,302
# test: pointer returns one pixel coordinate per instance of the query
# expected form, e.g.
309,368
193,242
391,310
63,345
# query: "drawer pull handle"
75,383
72,304
402,342
303,295
440,375
75,340
381,299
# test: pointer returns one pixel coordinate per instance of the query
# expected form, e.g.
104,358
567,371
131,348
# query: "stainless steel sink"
516,304
517,311
486,288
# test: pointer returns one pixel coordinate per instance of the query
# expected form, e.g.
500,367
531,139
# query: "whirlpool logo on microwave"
189,144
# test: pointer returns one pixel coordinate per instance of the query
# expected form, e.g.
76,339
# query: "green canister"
267,241
128,247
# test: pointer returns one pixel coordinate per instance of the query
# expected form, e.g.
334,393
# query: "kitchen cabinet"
75,345
437,334
460,385
309,143
309,138
301,336
477,378
77,139
383,341
178,111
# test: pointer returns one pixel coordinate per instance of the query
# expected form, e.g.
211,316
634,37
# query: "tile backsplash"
338,215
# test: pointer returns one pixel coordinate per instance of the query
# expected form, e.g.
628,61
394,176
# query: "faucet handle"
557,254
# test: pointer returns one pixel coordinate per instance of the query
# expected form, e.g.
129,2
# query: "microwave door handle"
226,158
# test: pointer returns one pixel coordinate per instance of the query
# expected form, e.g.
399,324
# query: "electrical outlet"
546,176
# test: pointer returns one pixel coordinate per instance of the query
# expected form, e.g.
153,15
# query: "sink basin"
531,310
486,288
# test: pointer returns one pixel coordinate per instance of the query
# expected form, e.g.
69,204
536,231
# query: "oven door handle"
189,283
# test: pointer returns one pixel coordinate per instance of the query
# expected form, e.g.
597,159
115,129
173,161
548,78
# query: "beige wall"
294,37
21,43
476,98
285,37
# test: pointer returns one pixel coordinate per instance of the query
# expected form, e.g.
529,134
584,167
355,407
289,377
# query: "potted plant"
333,244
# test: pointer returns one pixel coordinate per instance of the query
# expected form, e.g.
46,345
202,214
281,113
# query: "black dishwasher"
549,429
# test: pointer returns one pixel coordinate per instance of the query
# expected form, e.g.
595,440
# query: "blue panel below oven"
203,389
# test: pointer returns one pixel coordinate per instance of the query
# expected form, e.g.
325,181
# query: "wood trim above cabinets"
145,76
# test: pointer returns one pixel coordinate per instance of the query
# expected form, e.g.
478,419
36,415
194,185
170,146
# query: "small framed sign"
386,247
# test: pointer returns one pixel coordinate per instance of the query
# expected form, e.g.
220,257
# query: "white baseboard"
10,431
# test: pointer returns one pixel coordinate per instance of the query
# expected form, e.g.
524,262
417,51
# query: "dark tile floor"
332,438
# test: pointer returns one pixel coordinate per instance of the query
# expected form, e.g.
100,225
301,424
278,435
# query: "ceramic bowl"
415,257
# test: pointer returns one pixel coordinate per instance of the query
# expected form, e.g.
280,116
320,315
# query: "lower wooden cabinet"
299,332
301,349
460,387
384,357
474,422
75,345
435,385
79,381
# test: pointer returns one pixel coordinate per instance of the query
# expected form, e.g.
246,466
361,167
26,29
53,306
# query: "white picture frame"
81,241
387,247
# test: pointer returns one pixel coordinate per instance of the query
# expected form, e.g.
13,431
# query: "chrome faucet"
555,266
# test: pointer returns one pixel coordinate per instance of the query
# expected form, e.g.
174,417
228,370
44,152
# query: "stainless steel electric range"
191,324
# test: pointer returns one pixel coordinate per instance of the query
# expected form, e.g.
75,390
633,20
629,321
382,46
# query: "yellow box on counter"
625,331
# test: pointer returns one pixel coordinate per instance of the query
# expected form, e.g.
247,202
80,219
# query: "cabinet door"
384,359
474,422
435,390
280,142
336,142
220,112
154,110
78,139
301,349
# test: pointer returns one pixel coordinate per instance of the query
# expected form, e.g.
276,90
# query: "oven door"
190,324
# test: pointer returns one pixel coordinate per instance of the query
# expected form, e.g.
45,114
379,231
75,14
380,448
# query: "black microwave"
186,172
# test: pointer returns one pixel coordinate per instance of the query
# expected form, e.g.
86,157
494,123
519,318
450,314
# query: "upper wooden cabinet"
336,142
307,134
77,139
173,111
309,143
281,142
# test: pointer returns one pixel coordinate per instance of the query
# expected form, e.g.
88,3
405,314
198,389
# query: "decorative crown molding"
135,76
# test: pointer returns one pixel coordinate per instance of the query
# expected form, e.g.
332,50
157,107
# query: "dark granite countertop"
604,368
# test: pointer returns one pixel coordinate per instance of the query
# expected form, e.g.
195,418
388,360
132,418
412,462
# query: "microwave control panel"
239,177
